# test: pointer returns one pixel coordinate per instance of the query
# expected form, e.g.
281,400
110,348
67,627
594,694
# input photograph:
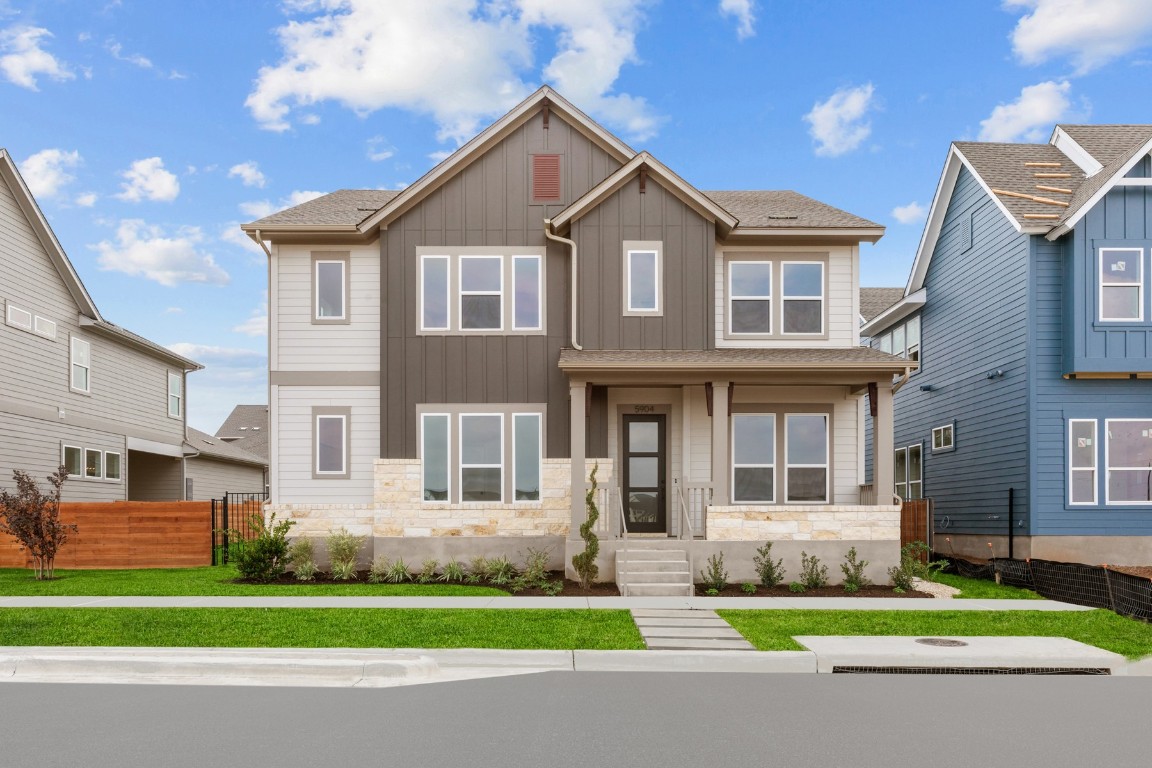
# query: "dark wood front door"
645,500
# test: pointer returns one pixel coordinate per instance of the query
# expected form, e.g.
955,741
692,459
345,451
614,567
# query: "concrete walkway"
625,603
687,630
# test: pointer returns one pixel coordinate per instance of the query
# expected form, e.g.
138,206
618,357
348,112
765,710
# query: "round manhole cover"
941,641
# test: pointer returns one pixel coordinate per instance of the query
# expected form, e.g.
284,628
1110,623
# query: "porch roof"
821,364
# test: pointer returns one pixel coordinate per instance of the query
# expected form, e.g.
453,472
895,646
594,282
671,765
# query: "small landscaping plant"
302,557
918,556
715,576
813,575
853,569
585,562
378,571
453,572
34,520
265,557
500,572
796,587
477,570
397,572
535,571
343,548
748,588
771,573
428,570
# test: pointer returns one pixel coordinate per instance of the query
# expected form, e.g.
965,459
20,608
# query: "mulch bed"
781,590
1134,570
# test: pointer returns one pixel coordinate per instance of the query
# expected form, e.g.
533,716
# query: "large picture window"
489,456
753,457
1128,452
1121,277
806,454
481,291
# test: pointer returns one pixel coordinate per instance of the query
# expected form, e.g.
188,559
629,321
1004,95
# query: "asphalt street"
590,719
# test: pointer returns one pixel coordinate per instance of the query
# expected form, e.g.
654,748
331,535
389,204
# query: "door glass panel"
643,437
643,471
643,507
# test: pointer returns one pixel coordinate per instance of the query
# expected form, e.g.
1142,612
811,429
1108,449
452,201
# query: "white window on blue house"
903,340
943,438
1121,273
1082,461
1128,456
909,472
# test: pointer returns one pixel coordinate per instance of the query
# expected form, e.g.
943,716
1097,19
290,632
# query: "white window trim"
179,379
120,477
72,365
732,297
785,298
100,454
635,247
462,293
908,481
1100,285
1095,470
951,446
447,292
447,459
343,316
775,474
462,466
1108,469
343,472
539,417
64,462
15,317
539,293
826,466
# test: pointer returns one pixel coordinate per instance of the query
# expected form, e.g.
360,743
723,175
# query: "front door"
644,496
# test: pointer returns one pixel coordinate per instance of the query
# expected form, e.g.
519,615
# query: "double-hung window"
175,395
81,377
909,472
806,457
481,453
643,278
775,299
1082,461
802,297
1121,283
481,291
492,456
330,288
1128,456
753,458
750,297
331,441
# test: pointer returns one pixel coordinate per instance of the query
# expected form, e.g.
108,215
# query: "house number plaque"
644,409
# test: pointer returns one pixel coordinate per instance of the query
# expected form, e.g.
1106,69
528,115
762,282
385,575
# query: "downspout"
902,380
260,241
572,245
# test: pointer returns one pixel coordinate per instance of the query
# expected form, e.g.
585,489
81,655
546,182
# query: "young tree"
584,562
34,519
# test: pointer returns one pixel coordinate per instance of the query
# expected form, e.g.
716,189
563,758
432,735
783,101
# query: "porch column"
882,444
577,407
720,442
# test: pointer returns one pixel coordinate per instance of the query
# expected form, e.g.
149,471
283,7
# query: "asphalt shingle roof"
342,207
213,447
1002,166
874,301
783,208
775,357
1107,142
247,428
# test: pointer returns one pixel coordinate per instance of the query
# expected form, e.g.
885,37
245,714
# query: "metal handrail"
623,519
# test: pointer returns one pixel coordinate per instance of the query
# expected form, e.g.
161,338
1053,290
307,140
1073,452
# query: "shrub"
477,570
715,576
916,557
748,588
305,570
265,557
428,570
535,570
378,571
901,578
397,572
853,569
796,587
343,548
552,588
771,573
585,562
34,520
501,572
453,572
302,558
812,574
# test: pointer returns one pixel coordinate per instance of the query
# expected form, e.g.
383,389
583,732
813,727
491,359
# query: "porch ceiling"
784,366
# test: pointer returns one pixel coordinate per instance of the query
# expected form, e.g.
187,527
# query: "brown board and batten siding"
488,204
688,241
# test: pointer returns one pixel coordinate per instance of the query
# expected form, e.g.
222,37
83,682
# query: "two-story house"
1028,309
448,363
75,389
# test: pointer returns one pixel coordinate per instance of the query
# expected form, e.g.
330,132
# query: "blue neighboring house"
1029,309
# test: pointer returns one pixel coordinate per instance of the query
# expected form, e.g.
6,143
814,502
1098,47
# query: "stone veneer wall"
400,510
804,523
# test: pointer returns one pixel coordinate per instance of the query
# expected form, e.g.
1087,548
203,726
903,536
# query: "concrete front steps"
649,571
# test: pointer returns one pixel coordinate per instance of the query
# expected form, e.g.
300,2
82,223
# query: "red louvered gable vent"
546,177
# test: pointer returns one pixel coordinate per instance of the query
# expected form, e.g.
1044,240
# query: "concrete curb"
695,661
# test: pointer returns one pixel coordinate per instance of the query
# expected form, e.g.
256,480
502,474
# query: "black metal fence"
1076,583
233,523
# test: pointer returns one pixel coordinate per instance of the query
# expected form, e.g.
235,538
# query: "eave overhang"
895,313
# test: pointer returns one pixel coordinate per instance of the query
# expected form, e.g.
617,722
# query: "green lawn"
773,630
979,589
207,581
321,628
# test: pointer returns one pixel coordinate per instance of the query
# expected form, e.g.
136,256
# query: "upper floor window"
775,299
750,292
643,278
330,280
175,395
803,297
483,291
944,438
1121,273
81,377
903,340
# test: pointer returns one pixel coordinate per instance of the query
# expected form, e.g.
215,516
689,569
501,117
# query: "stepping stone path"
681,630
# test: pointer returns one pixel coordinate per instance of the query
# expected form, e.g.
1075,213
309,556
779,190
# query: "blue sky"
149,130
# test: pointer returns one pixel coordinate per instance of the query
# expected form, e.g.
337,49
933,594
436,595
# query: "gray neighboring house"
221,467
449,362
76,389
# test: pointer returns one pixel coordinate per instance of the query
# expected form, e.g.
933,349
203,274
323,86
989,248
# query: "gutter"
572,245
260,241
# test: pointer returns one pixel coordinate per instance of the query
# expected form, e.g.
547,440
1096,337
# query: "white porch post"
882,444
720,442
577,395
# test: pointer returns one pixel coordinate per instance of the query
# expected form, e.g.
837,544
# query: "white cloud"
147,179
174,311
23,59
117,51
912,213
248,173
231,233
258,209
46,171
145,250
839,124
379,149
1030,116
368,55
257,323
744,13
86,199
224,357
1089,32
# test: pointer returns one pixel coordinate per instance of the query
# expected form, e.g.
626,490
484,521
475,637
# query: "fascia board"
895,313
46,236
863,234
1082,211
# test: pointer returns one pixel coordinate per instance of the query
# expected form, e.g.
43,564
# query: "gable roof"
89,315
342,208
873,301
247,428
213,447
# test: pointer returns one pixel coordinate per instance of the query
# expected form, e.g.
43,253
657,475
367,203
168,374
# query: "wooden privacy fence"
915,516
129,534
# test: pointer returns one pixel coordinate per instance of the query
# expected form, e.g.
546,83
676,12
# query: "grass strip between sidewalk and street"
519,629
773,630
